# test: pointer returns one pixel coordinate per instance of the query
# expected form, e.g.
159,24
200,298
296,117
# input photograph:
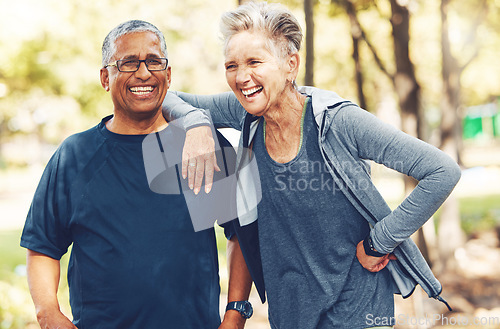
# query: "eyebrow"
254,58
147,56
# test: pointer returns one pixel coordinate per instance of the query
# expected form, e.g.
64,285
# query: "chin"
252,108
255,112
146,113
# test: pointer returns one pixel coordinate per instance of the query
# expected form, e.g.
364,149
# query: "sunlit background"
49,88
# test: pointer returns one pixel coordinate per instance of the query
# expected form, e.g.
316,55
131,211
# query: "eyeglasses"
132,65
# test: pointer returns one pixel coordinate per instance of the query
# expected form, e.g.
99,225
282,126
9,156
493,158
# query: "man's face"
136,94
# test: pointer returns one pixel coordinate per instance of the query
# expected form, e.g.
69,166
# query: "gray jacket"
348,136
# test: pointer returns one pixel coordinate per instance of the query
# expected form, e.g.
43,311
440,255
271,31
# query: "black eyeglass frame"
118,64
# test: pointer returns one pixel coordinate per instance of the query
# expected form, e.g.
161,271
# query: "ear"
293,66
169,76
105,79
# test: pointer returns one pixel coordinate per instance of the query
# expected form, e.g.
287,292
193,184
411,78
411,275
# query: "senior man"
136,261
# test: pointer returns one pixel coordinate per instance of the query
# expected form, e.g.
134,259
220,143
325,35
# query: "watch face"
247,310
244,307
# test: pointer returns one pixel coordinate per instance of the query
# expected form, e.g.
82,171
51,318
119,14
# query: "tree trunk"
450,234
408,91
309,16
405,82
356,35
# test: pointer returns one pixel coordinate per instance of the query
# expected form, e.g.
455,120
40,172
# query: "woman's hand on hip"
372,264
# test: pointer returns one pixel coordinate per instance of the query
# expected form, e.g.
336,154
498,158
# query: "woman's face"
255,74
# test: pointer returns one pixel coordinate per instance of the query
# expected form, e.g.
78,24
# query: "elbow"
451,174
454,172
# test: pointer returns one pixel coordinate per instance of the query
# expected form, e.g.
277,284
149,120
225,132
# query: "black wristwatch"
244,307
369,249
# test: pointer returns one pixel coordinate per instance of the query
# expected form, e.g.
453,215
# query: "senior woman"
325,241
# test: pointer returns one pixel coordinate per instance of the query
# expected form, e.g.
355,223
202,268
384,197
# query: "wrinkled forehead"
266,42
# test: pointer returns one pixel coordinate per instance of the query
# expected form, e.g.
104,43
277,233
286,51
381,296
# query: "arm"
43,281
372,263
437,173
223,109
240,283
198,157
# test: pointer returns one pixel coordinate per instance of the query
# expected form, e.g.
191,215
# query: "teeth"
141,90
251,91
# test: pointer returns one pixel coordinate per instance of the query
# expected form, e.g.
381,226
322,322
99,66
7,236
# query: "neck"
287,114
283,128
126,125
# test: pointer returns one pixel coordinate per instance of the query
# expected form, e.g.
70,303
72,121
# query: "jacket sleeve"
224,110
436,173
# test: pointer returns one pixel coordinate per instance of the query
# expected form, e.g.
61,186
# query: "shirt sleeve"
229,230
45,230
436,173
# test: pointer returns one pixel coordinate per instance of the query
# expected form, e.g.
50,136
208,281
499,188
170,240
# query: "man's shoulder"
83,136
87,138
79,146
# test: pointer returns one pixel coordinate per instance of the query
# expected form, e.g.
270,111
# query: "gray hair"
277,22
133,26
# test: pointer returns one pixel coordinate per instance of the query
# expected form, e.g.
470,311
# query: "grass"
480,213
477,214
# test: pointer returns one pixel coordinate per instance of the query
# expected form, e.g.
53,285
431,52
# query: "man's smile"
141,91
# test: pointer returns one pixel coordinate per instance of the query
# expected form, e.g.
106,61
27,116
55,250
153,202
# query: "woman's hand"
198,158
372,264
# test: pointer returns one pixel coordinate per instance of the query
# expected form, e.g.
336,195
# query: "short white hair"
133,26
274,20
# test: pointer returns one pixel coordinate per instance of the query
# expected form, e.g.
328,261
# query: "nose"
242,75
143,73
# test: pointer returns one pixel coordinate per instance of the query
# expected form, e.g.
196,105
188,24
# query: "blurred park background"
430,67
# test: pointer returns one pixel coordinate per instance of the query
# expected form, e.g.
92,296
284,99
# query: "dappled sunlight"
50,89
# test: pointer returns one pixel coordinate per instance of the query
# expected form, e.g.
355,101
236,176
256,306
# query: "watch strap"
244,307
369,249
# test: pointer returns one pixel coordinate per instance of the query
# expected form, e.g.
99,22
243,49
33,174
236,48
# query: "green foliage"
480,213
16,307
477,214
50,88
31,68
46,62
12,254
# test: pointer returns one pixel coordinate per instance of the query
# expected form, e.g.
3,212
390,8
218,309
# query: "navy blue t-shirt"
136,261
308,232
